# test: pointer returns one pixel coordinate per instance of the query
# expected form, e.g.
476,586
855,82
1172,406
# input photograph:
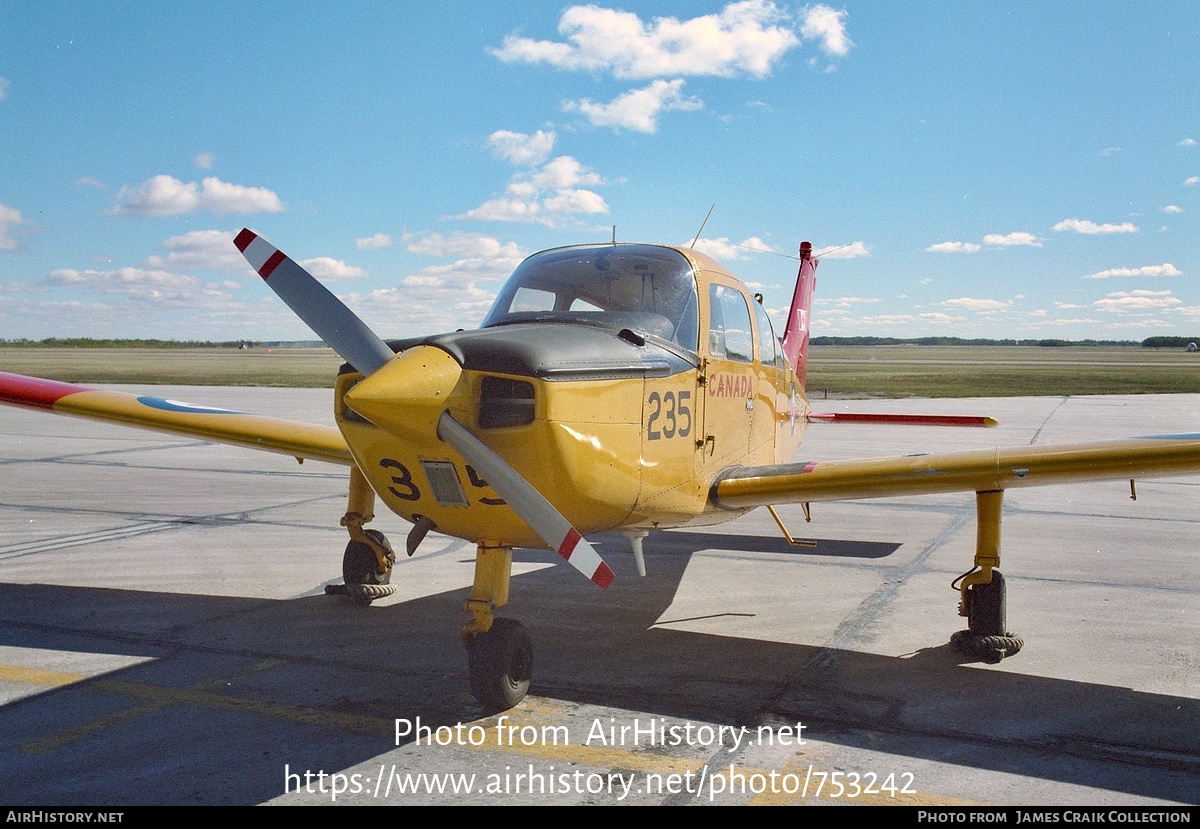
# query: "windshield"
642,287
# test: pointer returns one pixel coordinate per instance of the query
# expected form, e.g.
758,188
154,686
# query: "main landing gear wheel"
360,569
986,637
501,664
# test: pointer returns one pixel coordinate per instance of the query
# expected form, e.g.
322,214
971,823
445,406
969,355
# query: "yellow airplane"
614,386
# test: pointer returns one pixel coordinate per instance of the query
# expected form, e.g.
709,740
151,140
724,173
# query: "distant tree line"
1169,342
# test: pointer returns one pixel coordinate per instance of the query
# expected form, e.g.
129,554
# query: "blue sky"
981,169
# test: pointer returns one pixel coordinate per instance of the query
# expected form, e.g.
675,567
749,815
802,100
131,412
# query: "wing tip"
34,392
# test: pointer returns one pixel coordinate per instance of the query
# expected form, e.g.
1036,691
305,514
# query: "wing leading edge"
268,434
979,470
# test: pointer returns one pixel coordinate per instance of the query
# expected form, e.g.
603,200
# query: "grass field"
999,371
846,371
291,367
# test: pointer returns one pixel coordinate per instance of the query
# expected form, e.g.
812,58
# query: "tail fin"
795,336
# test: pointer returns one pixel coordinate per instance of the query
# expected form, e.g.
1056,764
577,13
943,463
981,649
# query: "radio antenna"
701,230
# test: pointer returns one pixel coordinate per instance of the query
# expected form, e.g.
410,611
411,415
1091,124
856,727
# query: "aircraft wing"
975,470
268,434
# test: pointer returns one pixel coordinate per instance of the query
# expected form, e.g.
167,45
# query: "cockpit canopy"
646,288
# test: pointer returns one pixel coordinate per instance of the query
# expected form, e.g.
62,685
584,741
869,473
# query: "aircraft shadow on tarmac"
234,688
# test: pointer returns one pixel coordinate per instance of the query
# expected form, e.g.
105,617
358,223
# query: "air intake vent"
443,480
505,402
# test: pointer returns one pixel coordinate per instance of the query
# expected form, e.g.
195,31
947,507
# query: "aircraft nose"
407,395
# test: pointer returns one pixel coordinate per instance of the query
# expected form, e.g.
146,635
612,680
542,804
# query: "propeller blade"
527,502
324,313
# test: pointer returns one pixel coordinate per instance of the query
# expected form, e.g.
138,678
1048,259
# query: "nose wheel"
501,664
365,581
367,562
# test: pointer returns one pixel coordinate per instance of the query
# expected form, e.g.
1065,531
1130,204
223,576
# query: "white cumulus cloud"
828,26
980,305
847,301
331,270
638,109
743,38
10,220
165,195
573,201
854,250
564,171
150,287
722,249
1191,181
1165,269
464,245
548,194
201,250
441,297
1007,240
1091,228
379,240
1124,301
522,149
954,247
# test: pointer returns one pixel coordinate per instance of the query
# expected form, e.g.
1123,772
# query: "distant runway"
164,637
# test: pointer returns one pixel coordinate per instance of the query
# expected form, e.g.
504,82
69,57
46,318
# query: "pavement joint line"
1049,416
142,528
870,608
81,539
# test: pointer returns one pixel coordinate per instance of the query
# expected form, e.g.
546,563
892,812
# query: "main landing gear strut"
499,653
982,590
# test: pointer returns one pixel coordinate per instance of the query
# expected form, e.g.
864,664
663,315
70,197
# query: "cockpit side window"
533,299
646,288
729,325
768,346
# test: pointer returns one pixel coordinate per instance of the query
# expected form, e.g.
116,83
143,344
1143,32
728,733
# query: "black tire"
359,565
986,607
990,649
501,664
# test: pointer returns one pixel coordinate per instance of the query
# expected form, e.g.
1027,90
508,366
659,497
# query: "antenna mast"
701,230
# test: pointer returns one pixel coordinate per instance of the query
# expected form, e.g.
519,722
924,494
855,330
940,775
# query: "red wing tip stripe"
603,576
271,264
568,543
34,391
244,239
809,467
